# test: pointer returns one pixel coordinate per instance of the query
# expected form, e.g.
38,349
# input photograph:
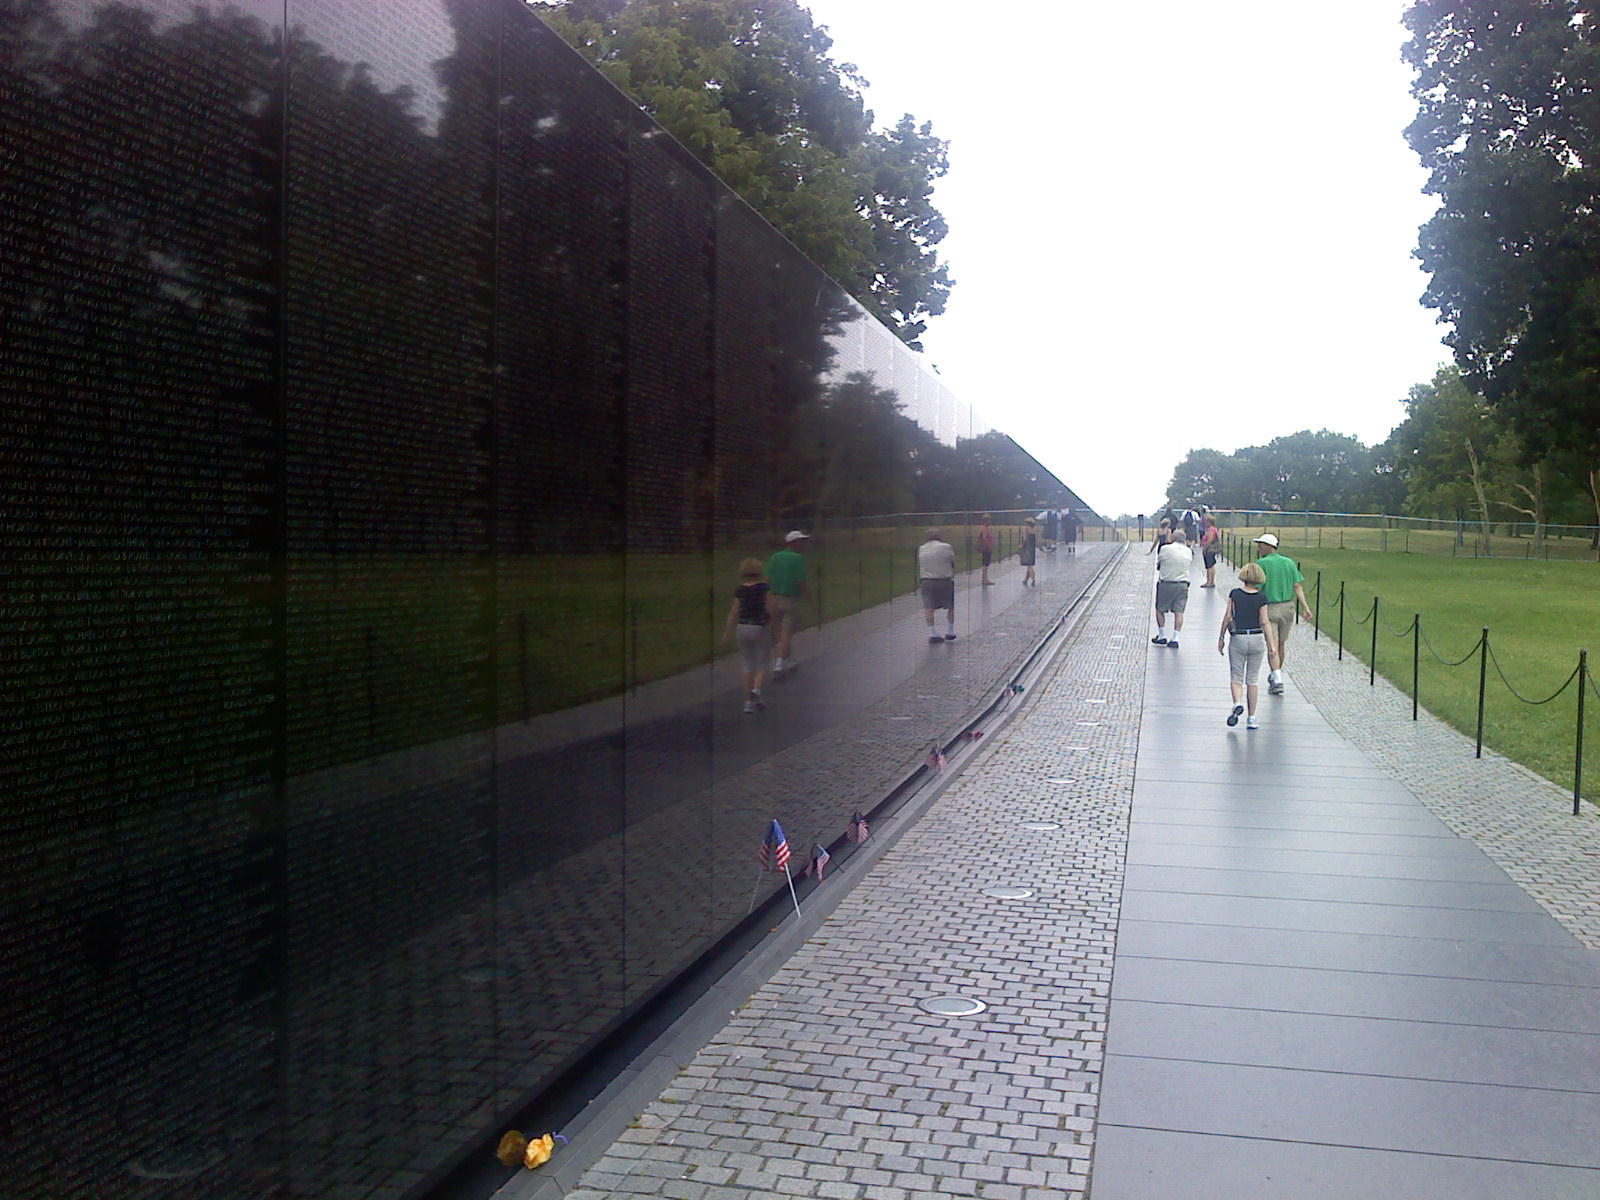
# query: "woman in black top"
1244,619
1029,551
749,610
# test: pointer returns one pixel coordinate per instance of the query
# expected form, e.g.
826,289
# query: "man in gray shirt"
1172,587
936,564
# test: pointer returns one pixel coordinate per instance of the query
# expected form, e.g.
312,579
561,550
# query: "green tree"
1444,449
749,88
1508,125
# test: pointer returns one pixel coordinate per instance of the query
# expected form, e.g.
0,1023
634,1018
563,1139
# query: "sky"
1172,225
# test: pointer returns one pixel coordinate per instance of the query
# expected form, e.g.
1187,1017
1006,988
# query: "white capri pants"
1246,652
755,647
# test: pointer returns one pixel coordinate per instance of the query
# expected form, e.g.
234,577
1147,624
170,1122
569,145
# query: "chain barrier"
1483,651
1495,659
1476,646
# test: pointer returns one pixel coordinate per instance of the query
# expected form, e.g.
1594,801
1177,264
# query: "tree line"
1453,457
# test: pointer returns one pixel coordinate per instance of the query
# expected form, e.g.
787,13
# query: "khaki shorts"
784,608
1281,615
1172,595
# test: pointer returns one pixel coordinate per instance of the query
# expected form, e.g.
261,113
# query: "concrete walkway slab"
1314,971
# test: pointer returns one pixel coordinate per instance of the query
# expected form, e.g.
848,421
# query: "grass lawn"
1539,615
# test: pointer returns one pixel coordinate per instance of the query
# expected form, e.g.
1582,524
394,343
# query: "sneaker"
1274,689
935,638
749,706
1250,723
1159,639
1233,717
755,698
1173,643
949,637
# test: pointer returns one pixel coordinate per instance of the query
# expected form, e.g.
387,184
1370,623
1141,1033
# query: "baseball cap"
1268,539
794,535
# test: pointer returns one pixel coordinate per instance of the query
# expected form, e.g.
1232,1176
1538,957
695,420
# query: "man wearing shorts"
1173,562
936,565
786,572
1285,590
986,541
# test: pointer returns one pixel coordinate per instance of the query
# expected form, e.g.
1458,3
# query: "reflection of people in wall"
1070,526
936,565
749,612
1030,551
986,547
786,572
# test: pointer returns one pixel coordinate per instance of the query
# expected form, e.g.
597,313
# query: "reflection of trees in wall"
751,91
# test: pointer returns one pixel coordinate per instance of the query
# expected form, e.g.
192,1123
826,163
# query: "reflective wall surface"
386,408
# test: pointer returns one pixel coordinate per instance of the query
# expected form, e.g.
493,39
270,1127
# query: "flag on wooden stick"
935,760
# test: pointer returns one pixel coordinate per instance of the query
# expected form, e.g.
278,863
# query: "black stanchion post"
522,661
1483,683
1372,659
372,694
633,644
1416,658
1316,625
1341,621
1577,756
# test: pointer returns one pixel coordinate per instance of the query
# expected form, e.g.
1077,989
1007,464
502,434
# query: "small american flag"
858,831
774,853
819,860
935,761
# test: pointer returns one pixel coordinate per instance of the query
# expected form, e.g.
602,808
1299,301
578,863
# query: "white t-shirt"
936,560
1173,562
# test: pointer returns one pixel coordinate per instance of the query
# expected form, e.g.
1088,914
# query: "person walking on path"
1285,591
936,564
1052,528
986,547
1028,552
1172,588
1071,526
750,613
1210,539
1162,537
1252,640
786,573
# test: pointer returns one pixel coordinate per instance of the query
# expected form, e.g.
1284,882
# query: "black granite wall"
382,399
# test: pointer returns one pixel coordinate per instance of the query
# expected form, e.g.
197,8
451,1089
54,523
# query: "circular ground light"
1041,825
953,1006
1008,893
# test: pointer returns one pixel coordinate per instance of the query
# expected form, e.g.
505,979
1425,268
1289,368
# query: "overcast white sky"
1173,224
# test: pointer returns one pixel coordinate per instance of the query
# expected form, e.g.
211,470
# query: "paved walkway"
1311,985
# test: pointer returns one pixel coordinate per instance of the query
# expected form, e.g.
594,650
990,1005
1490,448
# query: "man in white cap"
1285,590
786,573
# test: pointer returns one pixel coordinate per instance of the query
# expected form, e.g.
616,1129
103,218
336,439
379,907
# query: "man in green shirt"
1285,590
786,573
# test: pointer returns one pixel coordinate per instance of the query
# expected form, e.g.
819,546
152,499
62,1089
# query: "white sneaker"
1250,723
749,706
1233,717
